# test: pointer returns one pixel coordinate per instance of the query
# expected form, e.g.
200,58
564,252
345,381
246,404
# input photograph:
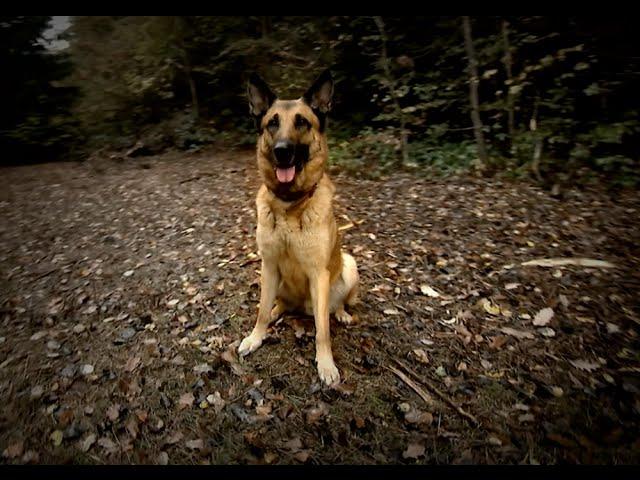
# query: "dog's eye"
302,122
274,122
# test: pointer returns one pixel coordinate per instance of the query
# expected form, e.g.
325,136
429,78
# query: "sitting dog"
303,266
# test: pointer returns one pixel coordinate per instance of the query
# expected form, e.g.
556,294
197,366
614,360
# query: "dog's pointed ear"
319,96
260,96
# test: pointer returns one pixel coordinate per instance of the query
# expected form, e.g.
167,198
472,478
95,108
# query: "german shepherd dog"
303,266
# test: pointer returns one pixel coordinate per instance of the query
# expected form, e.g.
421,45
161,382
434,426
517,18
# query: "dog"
303,266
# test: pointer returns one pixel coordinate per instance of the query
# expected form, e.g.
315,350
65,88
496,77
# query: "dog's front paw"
250,344
328,371
343,317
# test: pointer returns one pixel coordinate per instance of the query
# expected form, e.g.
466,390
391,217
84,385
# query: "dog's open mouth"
285,175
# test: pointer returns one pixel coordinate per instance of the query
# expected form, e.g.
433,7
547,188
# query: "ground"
127,285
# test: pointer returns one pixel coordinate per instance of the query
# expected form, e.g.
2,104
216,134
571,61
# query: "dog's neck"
295,197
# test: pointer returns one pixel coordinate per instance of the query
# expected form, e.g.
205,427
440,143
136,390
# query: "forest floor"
126,287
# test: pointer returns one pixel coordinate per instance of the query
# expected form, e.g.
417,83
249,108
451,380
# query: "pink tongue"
285,175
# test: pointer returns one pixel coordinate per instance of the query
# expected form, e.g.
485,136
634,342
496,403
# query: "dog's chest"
281,234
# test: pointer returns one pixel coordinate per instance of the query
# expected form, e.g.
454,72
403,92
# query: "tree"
473,92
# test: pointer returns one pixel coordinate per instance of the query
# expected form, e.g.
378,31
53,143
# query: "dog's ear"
319,96
260,97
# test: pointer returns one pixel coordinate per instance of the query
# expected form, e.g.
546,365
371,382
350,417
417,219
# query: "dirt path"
126,286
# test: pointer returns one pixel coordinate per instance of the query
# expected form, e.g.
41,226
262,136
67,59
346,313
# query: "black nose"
283,152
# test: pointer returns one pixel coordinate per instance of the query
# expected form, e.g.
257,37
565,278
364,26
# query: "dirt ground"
127,285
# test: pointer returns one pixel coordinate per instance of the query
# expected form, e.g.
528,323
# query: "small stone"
494,441
86,369
79,328
36,392
163,458
128,273
69,371
53,345
441,372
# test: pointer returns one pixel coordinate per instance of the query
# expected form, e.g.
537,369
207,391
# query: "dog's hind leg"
345,291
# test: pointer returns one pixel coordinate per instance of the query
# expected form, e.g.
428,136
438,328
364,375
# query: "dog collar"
295,196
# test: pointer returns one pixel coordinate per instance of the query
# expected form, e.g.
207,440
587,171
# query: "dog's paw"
328,372
343,317
249,344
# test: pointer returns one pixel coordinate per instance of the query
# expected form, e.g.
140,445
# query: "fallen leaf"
294,444
87,442
14,450
391,311
428,291
132,364
216,401
56,437
557,262
516,333
418,417
174,438
113,412
585,365
132,427
421,356
490,308
172,303
527,417
494,441
202,368
195,444
414,450
543,317
547,332
107,444
302,456
186,400
497,342
315,413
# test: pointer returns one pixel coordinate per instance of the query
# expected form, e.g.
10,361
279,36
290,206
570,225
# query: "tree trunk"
473,92
404,135
537,143
508,63
192,87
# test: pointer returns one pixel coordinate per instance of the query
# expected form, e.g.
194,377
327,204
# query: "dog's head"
292,147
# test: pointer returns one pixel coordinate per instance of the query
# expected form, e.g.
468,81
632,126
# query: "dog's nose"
283,152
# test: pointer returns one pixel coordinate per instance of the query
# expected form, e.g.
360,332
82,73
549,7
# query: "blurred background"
547,98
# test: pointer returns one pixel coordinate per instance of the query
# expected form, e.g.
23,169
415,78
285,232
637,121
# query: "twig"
450,402
423,395
45,274
197,177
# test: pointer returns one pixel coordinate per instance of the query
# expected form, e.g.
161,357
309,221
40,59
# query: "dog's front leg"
269,280
324,357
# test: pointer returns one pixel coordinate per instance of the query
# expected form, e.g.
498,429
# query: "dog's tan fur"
303,266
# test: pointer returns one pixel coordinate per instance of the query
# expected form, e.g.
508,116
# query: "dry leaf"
294,444
173,438
107,444
14,450
421,355
557,262
414,450
490,308
497,342
113,412
418,417
132,364
186,400
516,333
543,317
391,311
428,291
315,413
585,365
195,444
302,456
87,442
